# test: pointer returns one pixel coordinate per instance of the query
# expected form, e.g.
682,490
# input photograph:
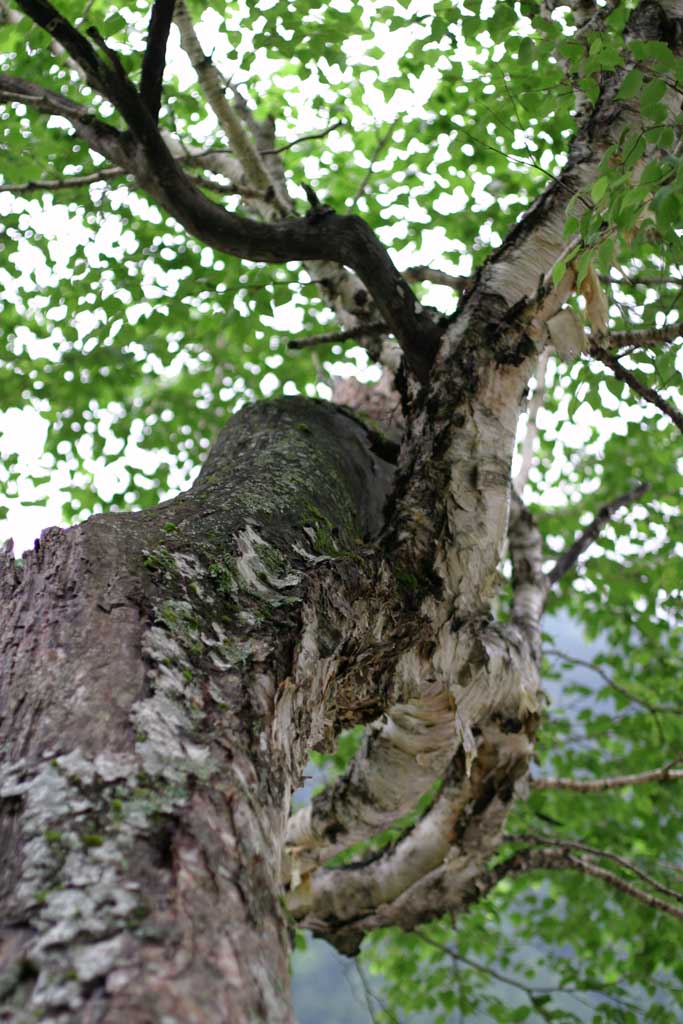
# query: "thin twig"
362,330
381,143
667,774
656,709
648,393
592,531
106,174
302,138
532,991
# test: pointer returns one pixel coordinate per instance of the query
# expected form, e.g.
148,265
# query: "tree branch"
63,32
529,583
592,532
645,335
334,337
415,274
302,138
594,851
213,87
342,239
71,181
100,136
559,860
531,433
154,60
648,393
666,774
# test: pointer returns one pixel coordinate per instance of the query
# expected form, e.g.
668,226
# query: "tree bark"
161,684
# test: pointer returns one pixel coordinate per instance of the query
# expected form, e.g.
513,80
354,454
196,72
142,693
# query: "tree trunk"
163,677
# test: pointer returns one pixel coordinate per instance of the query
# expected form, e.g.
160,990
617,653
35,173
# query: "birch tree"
356,561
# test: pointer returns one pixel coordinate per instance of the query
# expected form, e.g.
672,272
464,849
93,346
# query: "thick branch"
437,277
592,532
648,393
75,44
154,61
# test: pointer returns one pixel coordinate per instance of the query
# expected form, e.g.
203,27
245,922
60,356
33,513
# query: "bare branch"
645,336
154,61
213,88
100,136
333,337
71,181
592,532
667,774
416,274
648,393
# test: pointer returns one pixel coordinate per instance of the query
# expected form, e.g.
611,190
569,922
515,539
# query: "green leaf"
631,85
599,188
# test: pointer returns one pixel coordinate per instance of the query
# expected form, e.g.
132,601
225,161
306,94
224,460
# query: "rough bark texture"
149,711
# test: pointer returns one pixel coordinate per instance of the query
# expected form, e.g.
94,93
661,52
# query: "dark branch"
649,394
362,330
592,532
154,61
76,45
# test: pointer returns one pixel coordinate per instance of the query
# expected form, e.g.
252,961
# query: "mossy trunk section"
150,738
